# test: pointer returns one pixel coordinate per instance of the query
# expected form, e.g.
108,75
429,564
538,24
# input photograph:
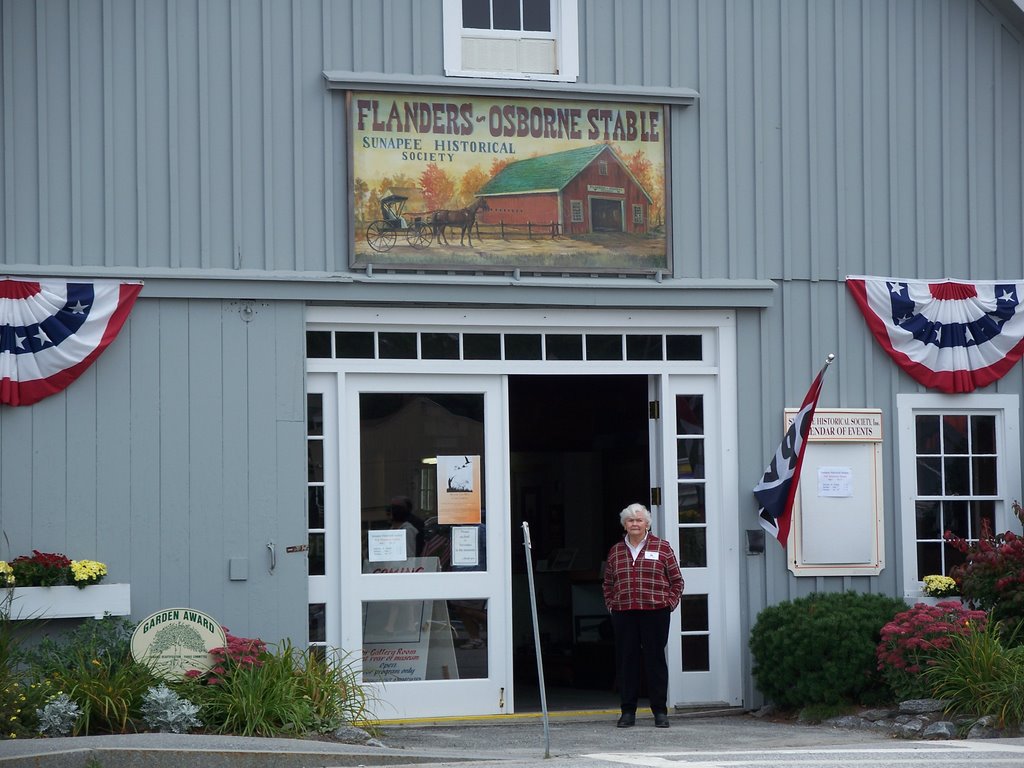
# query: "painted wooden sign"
484,183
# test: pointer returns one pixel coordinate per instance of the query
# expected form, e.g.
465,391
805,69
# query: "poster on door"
458,490
407,640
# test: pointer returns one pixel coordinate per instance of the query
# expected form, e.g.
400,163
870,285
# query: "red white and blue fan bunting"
950,335
51,331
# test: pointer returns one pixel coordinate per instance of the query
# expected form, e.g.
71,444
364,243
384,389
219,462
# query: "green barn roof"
542,173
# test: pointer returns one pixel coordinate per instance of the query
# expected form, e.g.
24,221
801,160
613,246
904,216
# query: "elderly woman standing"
642,586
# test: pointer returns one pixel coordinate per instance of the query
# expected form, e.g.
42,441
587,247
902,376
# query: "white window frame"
1006,410
564,31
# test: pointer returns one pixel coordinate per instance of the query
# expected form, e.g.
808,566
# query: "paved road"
591,741
701,742
931,755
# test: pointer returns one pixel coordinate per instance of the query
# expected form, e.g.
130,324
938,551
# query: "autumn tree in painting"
438,187
360,198
643,170
471,183
499,164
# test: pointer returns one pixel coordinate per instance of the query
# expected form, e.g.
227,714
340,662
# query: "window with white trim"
576,211
638,214
959,460
521,39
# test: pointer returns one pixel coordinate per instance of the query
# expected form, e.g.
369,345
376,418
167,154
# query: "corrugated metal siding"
831,136
187,439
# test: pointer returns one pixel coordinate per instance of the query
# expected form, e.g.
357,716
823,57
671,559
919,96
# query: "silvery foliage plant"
165,711
59,716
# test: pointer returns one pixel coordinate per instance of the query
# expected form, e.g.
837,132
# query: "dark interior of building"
579,454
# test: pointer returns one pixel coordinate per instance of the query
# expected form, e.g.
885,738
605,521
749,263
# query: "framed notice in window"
485,183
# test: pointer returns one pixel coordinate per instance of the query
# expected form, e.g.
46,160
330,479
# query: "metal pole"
536,639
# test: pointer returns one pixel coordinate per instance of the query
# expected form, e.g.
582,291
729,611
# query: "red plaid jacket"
653,581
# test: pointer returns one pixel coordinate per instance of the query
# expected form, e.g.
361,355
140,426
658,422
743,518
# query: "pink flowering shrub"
992,574
911,640
239,653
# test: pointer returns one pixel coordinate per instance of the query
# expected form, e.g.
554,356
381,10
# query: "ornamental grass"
279,691
981,673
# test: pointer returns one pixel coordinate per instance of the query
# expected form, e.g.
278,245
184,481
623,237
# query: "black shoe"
660,720
626,720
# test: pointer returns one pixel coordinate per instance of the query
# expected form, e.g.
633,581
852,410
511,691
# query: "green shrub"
820,649
93,665
981,673
106,638
20,697
914,636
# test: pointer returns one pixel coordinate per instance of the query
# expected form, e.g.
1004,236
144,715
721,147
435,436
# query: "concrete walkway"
511,740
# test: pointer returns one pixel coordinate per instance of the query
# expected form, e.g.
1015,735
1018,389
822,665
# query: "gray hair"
632,511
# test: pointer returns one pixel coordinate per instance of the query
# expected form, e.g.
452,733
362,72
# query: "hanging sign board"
552,185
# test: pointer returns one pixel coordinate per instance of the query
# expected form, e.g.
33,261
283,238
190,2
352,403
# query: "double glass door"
424,486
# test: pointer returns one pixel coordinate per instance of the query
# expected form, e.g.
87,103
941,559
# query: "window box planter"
69,602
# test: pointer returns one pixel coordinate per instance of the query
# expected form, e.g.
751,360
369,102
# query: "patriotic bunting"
777,489
950,335
51,331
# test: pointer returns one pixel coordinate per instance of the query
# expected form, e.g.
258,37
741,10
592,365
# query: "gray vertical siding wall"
196,138
831,136
183,446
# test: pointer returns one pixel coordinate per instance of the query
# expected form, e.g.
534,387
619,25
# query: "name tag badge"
649,555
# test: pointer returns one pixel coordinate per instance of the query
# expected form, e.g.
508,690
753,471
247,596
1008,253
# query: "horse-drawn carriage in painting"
382,234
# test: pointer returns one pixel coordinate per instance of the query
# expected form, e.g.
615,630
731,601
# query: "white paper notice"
386,545
835,482
465,545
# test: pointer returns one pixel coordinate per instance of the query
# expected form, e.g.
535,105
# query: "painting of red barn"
538,185
586,190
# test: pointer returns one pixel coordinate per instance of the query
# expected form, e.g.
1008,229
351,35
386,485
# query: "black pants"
642,635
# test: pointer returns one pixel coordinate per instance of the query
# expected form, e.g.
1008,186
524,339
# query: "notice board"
837,514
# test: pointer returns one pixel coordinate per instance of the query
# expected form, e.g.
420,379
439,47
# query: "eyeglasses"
635,520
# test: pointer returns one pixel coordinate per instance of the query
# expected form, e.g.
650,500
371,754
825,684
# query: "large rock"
876,714
910,729
921,706
943,729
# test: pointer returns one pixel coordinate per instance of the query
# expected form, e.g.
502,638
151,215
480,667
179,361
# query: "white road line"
914,754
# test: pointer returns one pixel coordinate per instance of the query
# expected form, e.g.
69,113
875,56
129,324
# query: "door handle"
273,556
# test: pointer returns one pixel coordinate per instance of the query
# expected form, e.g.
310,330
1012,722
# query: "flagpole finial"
829,359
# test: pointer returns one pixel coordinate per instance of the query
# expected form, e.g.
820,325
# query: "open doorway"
579,453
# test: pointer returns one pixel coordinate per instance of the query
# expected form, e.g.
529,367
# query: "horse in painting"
464,218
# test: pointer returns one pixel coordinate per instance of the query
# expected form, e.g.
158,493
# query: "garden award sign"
175,640
452,182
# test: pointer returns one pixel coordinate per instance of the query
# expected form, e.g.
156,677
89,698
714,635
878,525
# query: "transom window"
434,345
